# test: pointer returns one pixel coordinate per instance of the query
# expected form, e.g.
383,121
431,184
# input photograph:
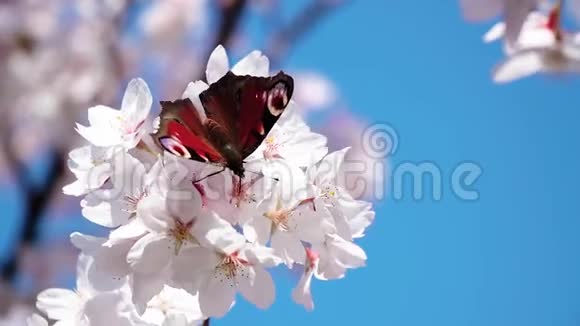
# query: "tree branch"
230,13
36,200
289,35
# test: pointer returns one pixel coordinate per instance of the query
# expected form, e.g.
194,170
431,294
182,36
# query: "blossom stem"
206,322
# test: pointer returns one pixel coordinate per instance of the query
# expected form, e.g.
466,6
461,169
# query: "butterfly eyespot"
277,99
174,147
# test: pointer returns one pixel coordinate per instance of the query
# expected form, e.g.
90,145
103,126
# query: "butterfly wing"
182,133
242,109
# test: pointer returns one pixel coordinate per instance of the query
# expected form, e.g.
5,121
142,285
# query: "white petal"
84,263
98,136
81,155
258,230
152,212
151,253
99,209
289,247
175,320
107,309
110,267
76,188
192,93
216,296
136,101
213,231
86,243
101,116
254,64
262,255
518,66
192,265
261,291
329,167
301,294
495,33
347,253
58,303
130,231
515,13
217,65
144,288
36,320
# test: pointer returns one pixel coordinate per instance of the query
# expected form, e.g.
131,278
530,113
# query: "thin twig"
305,21
230,13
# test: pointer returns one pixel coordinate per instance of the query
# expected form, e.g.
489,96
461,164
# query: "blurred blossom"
16,315
171,19
96,8
59,57
314,91
542,46
514,13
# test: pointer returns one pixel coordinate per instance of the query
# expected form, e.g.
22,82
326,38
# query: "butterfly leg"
210,175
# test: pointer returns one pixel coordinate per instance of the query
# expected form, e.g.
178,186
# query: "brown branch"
10,156
292,32
206,322
230,13
37,200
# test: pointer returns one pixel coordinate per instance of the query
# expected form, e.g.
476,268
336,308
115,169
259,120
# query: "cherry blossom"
227,264
290,141
172,303
183,241
542,47
114,206
91,166
124,127
81,307
36,320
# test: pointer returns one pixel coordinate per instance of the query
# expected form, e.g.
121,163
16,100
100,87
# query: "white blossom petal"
218,65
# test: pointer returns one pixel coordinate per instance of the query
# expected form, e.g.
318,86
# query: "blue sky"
510,258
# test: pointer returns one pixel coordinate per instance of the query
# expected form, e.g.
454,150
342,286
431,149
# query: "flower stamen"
180,234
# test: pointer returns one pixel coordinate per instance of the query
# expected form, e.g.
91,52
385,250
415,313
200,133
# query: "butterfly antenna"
209,175
262,175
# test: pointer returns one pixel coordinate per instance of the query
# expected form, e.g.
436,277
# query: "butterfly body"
239,112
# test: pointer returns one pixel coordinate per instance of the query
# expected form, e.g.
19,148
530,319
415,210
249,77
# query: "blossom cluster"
534,39
181,245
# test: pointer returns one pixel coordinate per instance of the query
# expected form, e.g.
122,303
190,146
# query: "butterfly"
239,110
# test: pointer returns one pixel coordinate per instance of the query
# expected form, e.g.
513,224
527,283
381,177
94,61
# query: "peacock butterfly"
240,111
